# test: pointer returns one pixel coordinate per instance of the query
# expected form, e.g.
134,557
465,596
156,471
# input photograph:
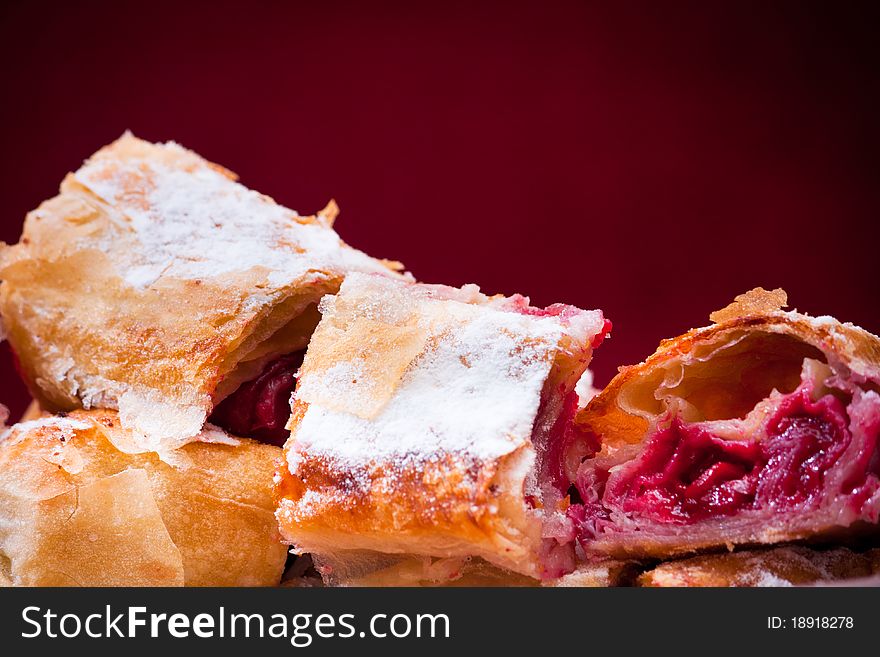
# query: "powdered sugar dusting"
472,390
170,221
65,425
764,579
193,221
793,566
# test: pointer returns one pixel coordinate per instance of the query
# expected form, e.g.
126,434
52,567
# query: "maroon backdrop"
651,159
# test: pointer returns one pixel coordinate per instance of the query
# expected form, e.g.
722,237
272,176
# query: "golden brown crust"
364,569
842,343
784,566
155,284
75,508
69,537
373,569
599,574
442,508
754,302
413,420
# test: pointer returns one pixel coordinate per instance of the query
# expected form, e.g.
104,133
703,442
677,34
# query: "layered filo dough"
759,429
423,420
81,504
774,567
373,569
157,285
381,570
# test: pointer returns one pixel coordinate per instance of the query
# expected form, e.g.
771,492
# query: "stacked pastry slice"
82,504
782,566
427,421
760,429
176,329
157,288
157,285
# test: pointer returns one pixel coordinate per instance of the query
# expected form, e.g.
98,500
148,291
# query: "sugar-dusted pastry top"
82,504
155,283
391,362
192,220
414,418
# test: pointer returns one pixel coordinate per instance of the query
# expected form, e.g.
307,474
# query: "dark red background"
651,159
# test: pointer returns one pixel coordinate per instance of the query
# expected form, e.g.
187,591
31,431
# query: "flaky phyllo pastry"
81,504
778,566
156,284
427,421
759,429
158,310
369,569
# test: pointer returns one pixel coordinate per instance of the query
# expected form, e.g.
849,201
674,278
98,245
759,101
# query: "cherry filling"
260,408
686,474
